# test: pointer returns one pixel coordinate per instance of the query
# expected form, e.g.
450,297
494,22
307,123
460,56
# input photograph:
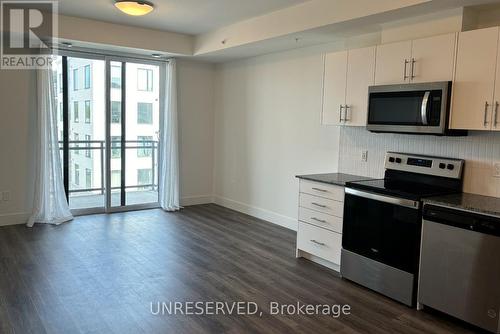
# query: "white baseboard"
17,218
270,216
197,200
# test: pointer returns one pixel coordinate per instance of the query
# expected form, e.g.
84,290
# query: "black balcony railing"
145,149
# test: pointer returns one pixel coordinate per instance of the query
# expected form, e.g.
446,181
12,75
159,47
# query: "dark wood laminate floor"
99,274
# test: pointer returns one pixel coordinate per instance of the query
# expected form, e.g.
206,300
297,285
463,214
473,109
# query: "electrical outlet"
364,156
6,195
496,169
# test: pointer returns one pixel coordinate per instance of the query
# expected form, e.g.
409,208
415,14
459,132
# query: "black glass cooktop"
403,189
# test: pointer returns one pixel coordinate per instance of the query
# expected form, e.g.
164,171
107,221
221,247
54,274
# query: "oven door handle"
425,102
386,199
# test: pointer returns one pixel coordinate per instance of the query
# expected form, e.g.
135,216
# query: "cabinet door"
474,79
433,58
496,102
360,75
391,67
334,87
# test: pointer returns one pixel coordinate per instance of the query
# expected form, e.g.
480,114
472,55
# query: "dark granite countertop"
470,202
338,179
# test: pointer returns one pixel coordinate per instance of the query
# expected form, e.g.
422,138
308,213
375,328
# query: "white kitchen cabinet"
334,86
319,235
433,58
473,105
348,74
421,60
360,75
393,62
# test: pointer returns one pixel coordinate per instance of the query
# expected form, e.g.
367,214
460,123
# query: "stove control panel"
421,164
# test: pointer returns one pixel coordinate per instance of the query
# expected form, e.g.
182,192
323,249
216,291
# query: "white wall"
17,96
17,114
267,130
196,130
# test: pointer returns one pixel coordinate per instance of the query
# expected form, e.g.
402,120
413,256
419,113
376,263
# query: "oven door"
381,228
413,108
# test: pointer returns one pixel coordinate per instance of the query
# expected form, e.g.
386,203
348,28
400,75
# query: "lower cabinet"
319,234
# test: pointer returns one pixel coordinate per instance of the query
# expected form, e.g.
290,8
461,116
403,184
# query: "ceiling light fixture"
134,8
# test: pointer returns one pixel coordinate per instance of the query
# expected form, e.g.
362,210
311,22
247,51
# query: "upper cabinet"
475,99
433,58
334,86
360,76
347,76
421,60
392,63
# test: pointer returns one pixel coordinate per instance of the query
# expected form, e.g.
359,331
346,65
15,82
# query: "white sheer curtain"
169,146
50,205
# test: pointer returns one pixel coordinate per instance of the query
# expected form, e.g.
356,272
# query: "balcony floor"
97,201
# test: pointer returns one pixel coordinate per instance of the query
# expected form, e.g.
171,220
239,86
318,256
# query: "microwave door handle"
425,102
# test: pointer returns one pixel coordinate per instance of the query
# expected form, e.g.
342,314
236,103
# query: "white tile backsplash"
480,150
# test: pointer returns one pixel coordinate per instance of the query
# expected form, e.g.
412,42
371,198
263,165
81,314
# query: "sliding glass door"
109,123
134,99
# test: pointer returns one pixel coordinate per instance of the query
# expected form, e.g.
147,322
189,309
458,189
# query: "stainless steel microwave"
421,108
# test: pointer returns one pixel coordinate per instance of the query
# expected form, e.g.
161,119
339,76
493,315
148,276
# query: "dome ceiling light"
134,8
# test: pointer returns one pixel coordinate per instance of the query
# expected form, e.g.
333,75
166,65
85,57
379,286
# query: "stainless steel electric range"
383,221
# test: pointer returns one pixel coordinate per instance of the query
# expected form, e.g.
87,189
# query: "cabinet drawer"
320,219
319,242
321,189
328,206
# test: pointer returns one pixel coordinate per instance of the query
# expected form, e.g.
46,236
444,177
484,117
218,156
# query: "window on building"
116,112
116,178
56,81
116,77
88,152
77,174
144,79
145,142
87,76
77,138
144,113
75,79
144,177
61,112
60,83
87,112
88,178
116,147
76,117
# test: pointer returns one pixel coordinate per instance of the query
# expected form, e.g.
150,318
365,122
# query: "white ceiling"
183,16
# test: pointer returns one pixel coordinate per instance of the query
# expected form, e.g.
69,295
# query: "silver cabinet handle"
425,102
486,105
318,243
340,113
496,115
406,65
413,61
347,108
320,205
319,189
319,220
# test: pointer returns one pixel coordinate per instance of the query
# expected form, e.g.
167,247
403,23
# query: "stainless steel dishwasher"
460,265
